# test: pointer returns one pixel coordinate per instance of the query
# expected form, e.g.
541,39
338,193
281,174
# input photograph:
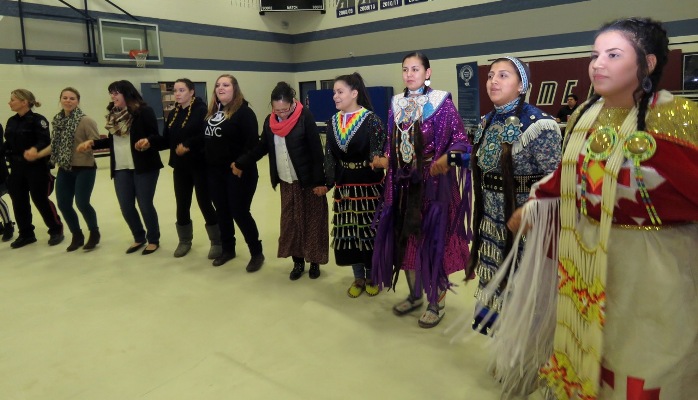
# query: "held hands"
236,171
31,155
379,162
515,221
142,145
181,150
320,190
439,166
85,146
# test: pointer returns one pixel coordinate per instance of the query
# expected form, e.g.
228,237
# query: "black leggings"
186,180
232,197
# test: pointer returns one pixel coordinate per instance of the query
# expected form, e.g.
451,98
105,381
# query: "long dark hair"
425,63
507,166
356,82
647,36
134,100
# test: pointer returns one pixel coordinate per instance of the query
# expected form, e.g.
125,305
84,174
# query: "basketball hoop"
140,56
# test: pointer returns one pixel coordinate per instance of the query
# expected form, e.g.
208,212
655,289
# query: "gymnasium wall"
202,39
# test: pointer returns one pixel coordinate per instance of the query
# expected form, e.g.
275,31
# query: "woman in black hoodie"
184,132
231,131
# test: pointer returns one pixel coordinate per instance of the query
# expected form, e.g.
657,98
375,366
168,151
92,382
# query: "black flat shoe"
22,241
55,239
135,247
223,258
147,251
297,271
255,263
314,272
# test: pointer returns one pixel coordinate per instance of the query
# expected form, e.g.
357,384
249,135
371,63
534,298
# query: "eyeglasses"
286,111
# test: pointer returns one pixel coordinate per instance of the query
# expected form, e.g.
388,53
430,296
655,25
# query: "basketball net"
140,56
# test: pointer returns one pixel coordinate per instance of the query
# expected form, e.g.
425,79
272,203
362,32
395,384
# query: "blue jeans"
131,187
76,184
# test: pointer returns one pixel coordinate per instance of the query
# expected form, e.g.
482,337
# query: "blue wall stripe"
429,18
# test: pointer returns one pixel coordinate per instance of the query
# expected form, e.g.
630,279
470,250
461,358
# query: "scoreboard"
291,5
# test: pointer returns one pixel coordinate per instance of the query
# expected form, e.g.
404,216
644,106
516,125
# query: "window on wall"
690,71
327,84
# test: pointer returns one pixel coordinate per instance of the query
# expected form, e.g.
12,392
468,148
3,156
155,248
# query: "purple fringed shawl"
442,247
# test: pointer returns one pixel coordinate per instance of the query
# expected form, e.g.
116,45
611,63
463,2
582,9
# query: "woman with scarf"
76,170
355,136
421,222
515,146
291,140
135,168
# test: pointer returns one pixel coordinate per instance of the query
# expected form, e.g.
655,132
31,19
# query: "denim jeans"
76,184
131,188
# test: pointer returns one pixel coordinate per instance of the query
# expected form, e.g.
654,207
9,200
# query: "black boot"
297,271
223,258
8,230
314,272
77,242
93,240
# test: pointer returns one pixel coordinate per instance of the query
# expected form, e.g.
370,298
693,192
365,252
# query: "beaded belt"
522,183
355,165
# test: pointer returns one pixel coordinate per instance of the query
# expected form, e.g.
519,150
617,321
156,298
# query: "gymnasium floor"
105,325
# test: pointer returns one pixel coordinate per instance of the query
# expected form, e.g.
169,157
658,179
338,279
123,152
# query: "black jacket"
304,149
22,133
143,126
191,135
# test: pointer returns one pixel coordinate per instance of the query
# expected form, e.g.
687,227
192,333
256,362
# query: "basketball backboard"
118,38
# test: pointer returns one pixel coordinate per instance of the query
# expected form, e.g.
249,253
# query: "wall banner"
385,4
468,94
367,6
346,8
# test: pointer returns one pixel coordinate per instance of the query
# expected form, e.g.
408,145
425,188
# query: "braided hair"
507,165
647,36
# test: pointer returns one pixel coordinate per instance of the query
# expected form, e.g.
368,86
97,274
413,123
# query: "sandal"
371,289
356,288
407,306
432,316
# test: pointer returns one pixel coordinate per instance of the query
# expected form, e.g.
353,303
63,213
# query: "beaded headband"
524,72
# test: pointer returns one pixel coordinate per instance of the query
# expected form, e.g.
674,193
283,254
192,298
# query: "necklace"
346,125
186,118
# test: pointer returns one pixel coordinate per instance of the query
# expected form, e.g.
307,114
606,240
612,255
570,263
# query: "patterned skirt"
304,230
352,235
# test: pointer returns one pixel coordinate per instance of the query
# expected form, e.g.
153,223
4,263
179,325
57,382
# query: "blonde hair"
25,95
72,90
230,108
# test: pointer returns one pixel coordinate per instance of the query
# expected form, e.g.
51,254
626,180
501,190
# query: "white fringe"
524,332
532,133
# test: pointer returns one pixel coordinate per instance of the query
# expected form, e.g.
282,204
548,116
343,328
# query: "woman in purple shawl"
421,222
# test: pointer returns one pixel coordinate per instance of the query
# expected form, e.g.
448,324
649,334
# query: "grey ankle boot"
186,234
214,235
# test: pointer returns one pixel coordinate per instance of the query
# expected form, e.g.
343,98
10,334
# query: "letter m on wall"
546,96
